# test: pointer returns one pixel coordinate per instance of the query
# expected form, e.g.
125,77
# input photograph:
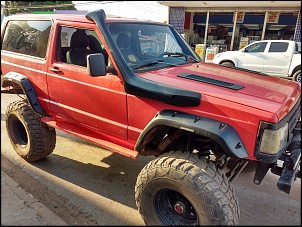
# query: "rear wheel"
30,137
228,64
181,189
297,76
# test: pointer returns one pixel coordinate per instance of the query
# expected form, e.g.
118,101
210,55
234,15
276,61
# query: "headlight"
273,140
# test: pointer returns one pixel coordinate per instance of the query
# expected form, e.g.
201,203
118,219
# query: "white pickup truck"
280,58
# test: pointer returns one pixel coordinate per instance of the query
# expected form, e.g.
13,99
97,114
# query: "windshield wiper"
178,54
154,63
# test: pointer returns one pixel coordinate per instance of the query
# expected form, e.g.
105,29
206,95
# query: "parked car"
89,76
280,58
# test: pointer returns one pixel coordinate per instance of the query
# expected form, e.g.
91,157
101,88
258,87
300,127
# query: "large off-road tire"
297,76
182,189
30,137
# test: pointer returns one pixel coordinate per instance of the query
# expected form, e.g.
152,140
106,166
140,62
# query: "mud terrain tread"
41,138
206,178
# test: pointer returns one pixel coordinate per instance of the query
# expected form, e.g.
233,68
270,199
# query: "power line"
154,10
155,6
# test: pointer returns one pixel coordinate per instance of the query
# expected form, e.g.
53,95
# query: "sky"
148,10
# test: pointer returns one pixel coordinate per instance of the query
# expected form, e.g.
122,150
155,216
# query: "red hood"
267,93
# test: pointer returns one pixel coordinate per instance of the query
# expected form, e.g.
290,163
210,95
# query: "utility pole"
6,9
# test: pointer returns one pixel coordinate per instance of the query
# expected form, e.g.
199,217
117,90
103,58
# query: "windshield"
149,46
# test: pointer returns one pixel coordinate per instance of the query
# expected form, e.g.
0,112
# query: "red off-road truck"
137,88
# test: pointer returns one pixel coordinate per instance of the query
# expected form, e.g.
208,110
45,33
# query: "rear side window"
27,37
278,47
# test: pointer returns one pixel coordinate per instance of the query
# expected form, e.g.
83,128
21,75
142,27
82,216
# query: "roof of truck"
72,17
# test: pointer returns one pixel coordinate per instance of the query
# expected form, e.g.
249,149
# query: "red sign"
273,17
240,17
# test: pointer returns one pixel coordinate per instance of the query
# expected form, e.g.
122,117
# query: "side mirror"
96,65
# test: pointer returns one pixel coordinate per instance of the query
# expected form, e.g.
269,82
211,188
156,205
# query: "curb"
19,208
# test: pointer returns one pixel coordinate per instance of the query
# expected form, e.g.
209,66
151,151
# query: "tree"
25,6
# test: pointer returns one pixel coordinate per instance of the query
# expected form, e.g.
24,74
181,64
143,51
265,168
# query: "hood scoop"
211,81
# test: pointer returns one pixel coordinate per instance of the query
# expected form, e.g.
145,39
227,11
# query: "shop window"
278,47
283,28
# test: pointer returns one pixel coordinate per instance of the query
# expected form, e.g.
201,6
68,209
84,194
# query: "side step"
90,136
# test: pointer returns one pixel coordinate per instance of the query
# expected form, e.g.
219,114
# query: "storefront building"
230,25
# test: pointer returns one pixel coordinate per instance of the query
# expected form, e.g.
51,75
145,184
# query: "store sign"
210,54
273,17
240,17
244,41
199,49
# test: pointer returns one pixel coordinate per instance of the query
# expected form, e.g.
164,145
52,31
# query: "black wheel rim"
18,132
172,208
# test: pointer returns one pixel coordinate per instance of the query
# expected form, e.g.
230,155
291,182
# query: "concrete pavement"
19,208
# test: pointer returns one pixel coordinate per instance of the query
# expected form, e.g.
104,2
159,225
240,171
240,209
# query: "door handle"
55,70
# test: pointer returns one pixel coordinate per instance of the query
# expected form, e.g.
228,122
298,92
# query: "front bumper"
290,160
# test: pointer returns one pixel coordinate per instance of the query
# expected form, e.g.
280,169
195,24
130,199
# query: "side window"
278,47
27,37
96,45
76,44
256,48
64,42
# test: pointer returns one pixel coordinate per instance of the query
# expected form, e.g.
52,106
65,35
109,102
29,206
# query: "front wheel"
181,189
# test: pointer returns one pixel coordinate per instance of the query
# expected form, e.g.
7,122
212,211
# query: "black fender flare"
224,134
27,87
